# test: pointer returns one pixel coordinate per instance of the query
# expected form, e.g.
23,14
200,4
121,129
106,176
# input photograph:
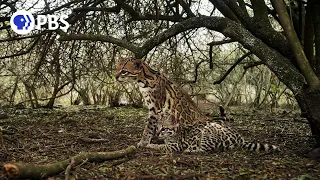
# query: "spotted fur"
205,137
171,108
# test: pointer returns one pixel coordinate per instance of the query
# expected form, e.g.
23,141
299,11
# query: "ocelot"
205,137
169,106
172,108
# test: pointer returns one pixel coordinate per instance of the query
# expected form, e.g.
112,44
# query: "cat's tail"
259,147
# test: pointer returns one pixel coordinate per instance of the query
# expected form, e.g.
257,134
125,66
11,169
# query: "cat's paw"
143,143
153,146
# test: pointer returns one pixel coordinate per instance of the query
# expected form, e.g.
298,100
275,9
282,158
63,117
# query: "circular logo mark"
22,22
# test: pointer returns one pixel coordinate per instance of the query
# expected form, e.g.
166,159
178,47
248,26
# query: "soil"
46,136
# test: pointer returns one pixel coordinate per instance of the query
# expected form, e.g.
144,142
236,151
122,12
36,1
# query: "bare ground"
47,136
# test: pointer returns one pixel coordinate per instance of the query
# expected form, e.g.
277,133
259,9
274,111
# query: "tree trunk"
29,94
84,96
14,91
57,74
234,90
50,104
310,108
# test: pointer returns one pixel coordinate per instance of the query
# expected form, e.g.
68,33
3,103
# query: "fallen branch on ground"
91,140
68,169
34,171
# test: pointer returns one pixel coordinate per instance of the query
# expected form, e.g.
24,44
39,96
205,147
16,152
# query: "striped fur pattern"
172,109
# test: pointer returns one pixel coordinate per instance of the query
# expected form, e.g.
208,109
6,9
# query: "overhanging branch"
23,52
232,67
279,64
17,38
115,9
195,73
127,8
186,7
154,17
252,64
216,43
123,43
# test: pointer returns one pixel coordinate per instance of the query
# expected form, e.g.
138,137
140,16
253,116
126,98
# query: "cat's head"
165,133
128,70
134,70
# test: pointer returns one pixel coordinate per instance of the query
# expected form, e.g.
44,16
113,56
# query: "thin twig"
225,41
232,67
91,140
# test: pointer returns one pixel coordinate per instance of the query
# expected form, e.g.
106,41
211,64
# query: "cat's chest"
148,99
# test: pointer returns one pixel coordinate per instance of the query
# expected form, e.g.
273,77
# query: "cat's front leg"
149,130
166,148
154,146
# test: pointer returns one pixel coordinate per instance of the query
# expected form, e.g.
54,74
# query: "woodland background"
38,70
260,59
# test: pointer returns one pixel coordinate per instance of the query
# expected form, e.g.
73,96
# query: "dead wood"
35,171
92,140
68,169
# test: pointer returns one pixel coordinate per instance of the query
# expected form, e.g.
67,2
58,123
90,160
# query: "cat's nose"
117,76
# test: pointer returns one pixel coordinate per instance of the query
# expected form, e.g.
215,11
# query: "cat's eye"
124,72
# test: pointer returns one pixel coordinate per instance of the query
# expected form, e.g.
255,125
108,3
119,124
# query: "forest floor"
46,136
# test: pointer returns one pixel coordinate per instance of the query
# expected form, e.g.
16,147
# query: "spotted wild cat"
169,106
172,108
205,137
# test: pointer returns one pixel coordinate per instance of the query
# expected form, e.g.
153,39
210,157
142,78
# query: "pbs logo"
23,22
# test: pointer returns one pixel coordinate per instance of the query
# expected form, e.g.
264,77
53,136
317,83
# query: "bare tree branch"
225,10
272,12
210,57
102,38
260,11
216,43
280,65
115,9
22,37
127,8
23,52
156,10
195,72
153,17
268,35
252,64
213,43
61,7
4,19
186,7
232,67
